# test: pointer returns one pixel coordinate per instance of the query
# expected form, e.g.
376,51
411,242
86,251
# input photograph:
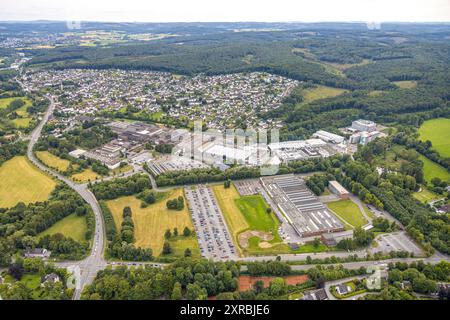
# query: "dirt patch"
247,282
245,236
265,245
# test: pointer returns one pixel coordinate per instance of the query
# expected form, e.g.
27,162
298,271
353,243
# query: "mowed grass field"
249,213
234,218
72,226
321,92
438,132
53,161
151,223
20,181
405,84
348,211
425,195
432,170
254,210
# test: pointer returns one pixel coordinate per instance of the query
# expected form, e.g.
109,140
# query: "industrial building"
337,189
328,136
303,210
364,125
289,151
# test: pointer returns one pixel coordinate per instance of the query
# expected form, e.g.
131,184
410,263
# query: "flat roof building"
328,136
364,125
337,189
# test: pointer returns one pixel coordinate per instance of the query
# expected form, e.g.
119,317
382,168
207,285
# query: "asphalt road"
95,261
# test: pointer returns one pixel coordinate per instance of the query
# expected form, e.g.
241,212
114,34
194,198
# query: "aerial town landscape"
224,161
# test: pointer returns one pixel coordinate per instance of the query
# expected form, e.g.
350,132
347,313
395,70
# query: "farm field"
425,195
152,222
85,176
53,161
71,226
23,182
432,169
321,92
438,132
405,84
348,211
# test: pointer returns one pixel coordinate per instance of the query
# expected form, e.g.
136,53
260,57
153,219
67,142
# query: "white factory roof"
296,144
228,152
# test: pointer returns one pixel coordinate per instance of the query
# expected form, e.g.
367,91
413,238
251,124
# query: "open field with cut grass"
348,211
226,199
321,92
248,213
425,195
85,176
151,223
23,182
432,169
438,132
53,161
405,84
72,226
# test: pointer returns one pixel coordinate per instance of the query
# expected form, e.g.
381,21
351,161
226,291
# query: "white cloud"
227,10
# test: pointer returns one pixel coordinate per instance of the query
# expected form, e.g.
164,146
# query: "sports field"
23,182
53,161
151,223
254,231
438,132
432,170
348,211
71,226
85,176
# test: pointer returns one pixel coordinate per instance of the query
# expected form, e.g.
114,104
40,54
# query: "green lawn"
254,210
438,132
432,170
71,226
425,195
348,211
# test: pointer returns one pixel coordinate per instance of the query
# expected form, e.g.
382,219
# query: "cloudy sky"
227,10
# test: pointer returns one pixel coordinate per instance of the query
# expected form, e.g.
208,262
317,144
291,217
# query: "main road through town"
95,261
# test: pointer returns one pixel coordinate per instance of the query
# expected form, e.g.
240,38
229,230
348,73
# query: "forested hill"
400,73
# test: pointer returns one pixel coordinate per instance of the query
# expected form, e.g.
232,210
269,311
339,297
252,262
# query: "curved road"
95,261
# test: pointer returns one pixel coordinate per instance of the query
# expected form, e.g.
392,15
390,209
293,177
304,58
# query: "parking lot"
397,241
212,232
304,211
248,187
